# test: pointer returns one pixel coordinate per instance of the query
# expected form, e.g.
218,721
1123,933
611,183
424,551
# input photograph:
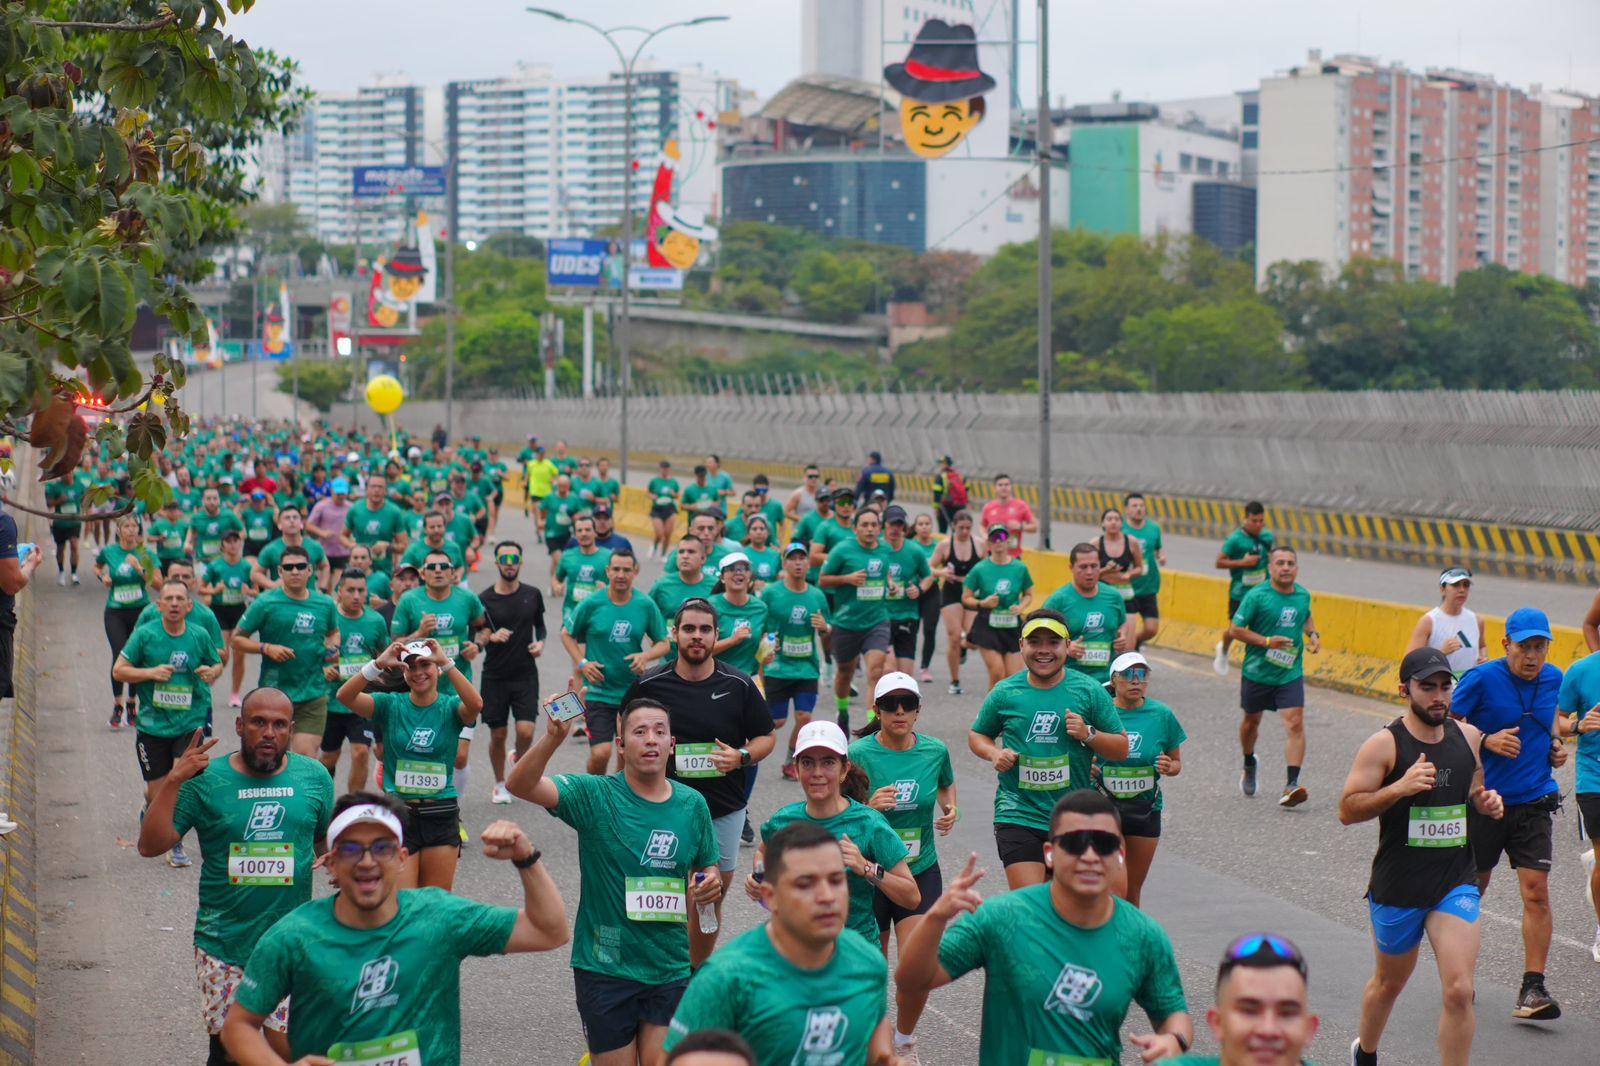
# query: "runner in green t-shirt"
168,531
261,816
1147,586
664,491
796,1005
998,590
1244,557
377,523
875,855
613,637
291,529
1155,740
420,728
1275,625
797,615
1039,729
64,498
362,636
374,973
687,581
766,565
260,521
1063,961
647,861
807,528
910,579
741,616
607,487
207,525
857,574
720,482
433,539
225,584
1095,614
559,509
699,495
297,632
582,570
126,574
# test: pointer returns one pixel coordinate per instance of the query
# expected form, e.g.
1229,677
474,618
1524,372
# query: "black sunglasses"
381,851
1263,951
294,567
894,703
438,566
1103,841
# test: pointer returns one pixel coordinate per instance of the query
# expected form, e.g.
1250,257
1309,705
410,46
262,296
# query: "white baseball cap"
732,559
816,734
365,813
895,681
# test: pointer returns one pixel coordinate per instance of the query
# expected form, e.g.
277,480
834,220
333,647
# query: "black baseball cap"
1423,663
796,547
894,513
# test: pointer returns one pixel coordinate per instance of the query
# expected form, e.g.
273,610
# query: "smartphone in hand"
565,707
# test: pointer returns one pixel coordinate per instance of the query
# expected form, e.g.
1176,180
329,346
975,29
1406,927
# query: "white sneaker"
906,1050
61,579
499,794
1219,662
1594,949
75,581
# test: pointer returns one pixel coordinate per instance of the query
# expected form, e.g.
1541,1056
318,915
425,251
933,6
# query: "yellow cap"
1046,623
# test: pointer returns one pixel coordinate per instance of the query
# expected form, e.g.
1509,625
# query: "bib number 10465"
1437,827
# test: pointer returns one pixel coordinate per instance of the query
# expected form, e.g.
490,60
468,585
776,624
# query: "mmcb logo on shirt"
1045,725
443,621
824,1033
661,849
1287,616
266,817
422,737
797,614
1093,620
905,793
179,660
374,988
1134,740
304,622
620,631
1075,991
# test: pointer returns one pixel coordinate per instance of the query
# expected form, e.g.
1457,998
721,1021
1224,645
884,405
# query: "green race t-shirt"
1152,731
609,633
361,639
1057,993
664,491
418,551
583,574
369,527
636,860
1149,534
749,618
455,617
868,830
208,531
303,627
790,1016
1030,721
670,591
199,615
168,538
766,565
859,609
907,566
260,526
1270,613
698,497
1094,620
128,588
270,556
1008,580
258,838
917,775
789,615
419,744
234,579
364,994
559,512
65,500
1237,546
174,707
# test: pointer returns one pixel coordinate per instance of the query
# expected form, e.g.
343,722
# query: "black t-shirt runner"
1422,840
726,706
522,612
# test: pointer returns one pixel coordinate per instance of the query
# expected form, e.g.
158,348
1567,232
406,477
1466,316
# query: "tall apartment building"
377,125
1569,199
505,135
1428,169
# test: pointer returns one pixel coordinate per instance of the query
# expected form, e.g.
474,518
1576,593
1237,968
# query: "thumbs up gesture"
1419,777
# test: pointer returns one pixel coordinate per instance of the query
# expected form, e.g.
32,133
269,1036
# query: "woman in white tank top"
1452,627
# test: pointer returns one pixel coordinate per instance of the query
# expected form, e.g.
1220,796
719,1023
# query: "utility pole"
450,302
1046,338
255,330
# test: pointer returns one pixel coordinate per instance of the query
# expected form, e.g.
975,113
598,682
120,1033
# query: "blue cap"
796,547
1527,622
341,485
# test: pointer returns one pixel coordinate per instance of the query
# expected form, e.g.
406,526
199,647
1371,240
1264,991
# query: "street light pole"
624,340
1046,338
450,305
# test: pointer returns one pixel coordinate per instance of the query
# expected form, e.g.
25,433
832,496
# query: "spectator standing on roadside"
875,478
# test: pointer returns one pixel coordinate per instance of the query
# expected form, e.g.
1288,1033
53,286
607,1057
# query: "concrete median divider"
1362,639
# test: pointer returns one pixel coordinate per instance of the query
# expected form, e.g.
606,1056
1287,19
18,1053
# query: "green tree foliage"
1235,346
121,124
834,288
323,383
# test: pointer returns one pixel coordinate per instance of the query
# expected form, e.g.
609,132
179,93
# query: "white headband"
366,812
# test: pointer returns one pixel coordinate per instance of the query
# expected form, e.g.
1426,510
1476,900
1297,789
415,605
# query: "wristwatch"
524,864
1090,732
744,756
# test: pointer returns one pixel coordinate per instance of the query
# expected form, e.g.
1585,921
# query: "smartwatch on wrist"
1090,733
744,756
525,864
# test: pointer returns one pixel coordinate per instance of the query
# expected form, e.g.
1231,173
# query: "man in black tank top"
1417,776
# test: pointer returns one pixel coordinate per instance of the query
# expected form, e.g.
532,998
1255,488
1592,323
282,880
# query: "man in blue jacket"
875,477
1513,701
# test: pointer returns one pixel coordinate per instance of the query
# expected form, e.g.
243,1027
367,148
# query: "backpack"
955,489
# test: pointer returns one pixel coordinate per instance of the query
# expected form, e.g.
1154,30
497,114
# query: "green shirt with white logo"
168,538
790,1016
1237,546
1149,534
609,633
750,618
272,555
417,553
698,497
859,608
208,531
374,995
419,744
558,513
455,617
766,565
234,579
361,640
1152,731
1030,721
1094,620
583,574
128,588
789,615
65,500
369,527
260,526
258,838
1008,580
917,775
1054,992
636,860
1270,613
869,830
664,491
907,566
177,706
302,626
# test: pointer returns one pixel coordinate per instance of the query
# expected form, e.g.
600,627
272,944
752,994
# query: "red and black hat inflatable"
942,65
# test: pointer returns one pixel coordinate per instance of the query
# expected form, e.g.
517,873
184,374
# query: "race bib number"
401,1049
231,596
656,899
563,518
870,591
172,696
1097,653
254,865
798,649
694,760
126,594
1254,577
1002,619
1128,780
1056,1058
582,592
664,501
1041,773
211,547
414,778
1282,656
350,665
1437,827
69,507
912,839
451,649
1125,591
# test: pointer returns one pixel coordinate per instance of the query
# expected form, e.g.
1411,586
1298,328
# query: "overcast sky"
1148,49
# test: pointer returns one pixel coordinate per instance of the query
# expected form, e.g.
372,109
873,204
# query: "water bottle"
708,911
764,650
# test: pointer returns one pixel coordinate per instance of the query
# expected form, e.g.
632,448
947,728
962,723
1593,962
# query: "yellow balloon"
384,394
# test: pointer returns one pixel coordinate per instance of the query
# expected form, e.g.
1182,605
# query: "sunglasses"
1261,950
437,566
380,850
1103,841
898,704
999,536
508,560
294,568
1136,673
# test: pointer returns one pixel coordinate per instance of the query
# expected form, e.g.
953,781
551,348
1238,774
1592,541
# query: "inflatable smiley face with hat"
941,88
680,234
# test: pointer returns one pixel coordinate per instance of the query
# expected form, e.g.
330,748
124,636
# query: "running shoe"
925,675
747,835
1247,781
235,700
1219,661
499,794
1594,949
178,858
1359,1057
131,716
75,581
789,774
1535,1004
1293,796
954,688
906,1051
116,717
61,578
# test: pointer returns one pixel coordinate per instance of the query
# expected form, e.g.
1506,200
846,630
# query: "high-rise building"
1432,170
377,125
1569,192
505,135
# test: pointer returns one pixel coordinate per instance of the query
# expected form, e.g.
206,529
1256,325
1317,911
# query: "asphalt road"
116,974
